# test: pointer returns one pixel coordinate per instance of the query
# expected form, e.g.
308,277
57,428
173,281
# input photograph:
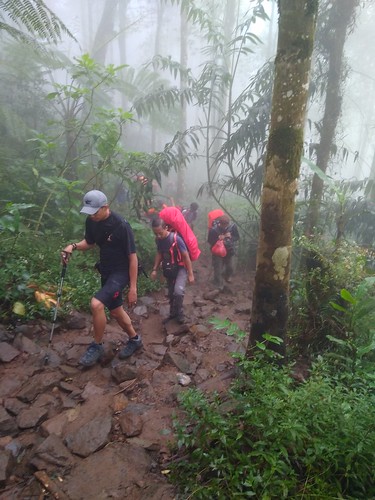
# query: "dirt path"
106,432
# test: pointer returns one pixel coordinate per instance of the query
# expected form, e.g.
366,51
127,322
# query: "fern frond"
35,17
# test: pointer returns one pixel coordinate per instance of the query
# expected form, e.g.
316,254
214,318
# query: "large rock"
5,335
131,424
76,321
200,331
90,431
122,371
6,465
57,424
8,425
141,311
127,472
38,384
25,344
52,454
180,362
14,405
8,352
31,417
91,390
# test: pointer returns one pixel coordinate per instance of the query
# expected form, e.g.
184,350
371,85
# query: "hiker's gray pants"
177,286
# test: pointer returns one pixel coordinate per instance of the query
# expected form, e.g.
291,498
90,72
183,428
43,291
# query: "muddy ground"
107,431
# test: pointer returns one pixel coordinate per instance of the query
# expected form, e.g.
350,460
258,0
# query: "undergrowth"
316,281
30,269
271,438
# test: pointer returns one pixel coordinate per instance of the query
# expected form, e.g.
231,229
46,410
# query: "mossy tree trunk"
292,65
334,34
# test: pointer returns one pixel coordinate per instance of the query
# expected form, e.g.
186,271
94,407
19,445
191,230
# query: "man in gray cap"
118,268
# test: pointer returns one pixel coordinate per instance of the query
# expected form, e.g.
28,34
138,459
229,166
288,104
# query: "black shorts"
112,287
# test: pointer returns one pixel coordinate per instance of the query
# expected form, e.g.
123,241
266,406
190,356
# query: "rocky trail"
106,432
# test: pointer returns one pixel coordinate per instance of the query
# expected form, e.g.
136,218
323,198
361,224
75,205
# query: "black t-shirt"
115,239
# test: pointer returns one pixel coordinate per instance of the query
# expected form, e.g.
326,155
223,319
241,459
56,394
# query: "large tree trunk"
340,19
292,65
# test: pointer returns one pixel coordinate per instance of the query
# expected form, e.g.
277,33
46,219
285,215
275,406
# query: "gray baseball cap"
93,201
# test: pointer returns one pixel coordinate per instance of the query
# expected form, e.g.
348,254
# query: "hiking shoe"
130,348
181,319
168,318
92,355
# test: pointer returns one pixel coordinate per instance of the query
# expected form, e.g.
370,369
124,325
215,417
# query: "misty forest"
263,109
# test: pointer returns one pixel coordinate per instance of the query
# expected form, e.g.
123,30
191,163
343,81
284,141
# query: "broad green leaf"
338,307
19,308
323,176
365,349
346,295
273,339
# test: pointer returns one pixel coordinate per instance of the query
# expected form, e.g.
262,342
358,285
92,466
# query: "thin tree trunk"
123,8
183,118
223,95
371,194
157,50
341,16
292,65
71,146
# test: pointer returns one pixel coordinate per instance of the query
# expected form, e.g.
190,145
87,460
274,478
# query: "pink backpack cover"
174,218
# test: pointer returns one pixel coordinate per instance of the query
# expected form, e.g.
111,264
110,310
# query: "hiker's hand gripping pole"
65,256
67,252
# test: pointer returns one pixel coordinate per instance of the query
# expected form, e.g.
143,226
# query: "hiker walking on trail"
118,267
227,232
190,214
173,256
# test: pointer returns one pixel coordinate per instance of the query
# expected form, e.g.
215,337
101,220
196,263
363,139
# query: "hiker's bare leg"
99,319
123,320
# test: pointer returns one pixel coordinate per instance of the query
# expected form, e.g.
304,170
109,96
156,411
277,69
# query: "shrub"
315,283
270,438
30,262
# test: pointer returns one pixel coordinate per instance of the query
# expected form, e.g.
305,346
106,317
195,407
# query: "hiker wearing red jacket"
227,231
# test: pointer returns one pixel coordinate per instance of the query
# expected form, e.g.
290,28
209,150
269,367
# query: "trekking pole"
59,293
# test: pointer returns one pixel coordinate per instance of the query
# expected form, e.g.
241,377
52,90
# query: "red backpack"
174,218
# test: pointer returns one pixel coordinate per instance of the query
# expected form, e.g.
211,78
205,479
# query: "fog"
132,33
138,32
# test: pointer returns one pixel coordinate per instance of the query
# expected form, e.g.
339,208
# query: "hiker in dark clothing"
190,214
223,266
118,268
173,256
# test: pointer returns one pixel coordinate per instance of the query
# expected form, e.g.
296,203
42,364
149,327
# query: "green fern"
35,17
